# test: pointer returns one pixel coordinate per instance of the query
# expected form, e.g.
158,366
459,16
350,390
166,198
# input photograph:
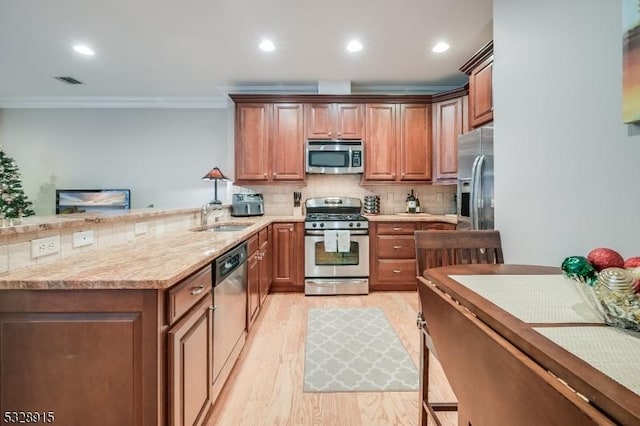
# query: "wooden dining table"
521,345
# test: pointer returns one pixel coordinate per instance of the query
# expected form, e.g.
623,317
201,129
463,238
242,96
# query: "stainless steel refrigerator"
475,197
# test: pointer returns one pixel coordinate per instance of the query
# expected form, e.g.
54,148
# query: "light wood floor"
265,387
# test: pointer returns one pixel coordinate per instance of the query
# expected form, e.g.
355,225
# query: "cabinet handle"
196,290
265,175
329,134
397,229
213,308
396,271
397,247
339,133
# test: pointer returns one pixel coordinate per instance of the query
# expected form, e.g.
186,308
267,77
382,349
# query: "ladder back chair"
446,248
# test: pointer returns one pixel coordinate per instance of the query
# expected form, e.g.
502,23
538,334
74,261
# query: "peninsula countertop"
149,263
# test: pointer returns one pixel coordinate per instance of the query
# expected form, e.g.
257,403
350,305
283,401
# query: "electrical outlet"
84,238
439,196
140,228
45,246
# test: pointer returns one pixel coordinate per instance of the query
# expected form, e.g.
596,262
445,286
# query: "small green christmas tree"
13,202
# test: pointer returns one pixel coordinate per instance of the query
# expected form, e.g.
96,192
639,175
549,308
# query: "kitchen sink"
223,227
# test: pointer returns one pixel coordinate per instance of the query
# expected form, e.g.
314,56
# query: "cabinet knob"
213,308
274,173
396,229
265,175
396,271
339,133
397,247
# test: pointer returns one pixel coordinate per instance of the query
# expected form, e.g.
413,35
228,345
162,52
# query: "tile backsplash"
278,199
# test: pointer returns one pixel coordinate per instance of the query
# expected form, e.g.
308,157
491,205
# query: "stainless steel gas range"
336,242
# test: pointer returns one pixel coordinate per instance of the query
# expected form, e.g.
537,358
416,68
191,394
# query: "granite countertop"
149,263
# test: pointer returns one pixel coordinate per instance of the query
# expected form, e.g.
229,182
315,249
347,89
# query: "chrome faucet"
206,211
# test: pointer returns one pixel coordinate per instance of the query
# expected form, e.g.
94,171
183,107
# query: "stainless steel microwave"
334,157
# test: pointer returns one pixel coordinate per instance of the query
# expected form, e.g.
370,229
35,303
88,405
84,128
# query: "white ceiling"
200,50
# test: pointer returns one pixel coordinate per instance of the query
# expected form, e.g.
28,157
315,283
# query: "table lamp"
215,175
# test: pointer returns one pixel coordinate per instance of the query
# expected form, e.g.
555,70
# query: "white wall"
160,154
567,169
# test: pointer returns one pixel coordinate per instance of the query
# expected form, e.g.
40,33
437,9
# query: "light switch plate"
83,238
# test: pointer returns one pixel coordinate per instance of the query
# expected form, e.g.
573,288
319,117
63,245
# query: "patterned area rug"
355,350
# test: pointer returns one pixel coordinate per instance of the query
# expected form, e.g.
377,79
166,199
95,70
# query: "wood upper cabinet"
415,142
252,142
334,121
381,161
287,143
480,71
269,142
288,256
448,125
398,142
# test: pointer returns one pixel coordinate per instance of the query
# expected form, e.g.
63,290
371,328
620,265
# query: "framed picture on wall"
631,61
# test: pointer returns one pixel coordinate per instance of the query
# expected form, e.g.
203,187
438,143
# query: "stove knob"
358,224
322,225
314,225
351,225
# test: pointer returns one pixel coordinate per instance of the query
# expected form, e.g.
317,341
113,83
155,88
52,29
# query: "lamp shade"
215,174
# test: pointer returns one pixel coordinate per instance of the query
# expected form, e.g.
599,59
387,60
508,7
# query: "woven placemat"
613,351
534,298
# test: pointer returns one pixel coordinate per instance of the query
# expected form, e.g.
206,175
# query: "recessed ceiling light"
267,45
440,47
354,46
84,50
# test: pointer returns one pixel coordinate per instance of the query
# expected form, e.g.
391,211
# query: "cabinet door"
190,344
288,255
415,142
287,142
348,121
448,126
318,119
252,142
481,93
266,269
253,287
380,142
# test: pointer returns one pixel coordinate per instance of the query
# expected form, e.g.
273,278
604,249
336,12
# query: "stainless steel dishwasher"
230,312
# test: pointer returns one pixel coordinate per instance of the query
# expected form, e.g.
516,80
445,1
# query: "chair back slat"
435,248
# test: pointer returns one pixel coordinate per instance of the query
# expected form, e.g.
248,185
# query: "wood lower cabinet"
190,360
89,357
480,71
398,142
288,257
269,142
253,280
259,272
393,253
334,121
265,239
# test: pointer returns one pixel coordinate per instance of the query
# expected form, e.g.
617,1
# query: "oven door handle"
353,232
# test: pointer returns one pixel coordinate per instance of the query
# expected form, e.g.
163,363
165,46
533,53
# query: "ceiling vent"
68,80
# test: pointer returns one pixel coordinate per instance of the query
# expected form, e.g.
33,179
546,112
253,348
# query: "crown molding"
114,102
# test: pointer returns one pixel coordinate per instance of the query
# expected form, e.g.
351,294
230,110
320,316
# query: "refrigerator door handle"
476,191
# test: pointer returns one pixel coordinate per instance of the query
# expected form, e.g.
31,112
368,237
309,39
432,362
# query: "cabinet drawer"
252,245
439,226
187,293
263,236
395,228
396,247
402,270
